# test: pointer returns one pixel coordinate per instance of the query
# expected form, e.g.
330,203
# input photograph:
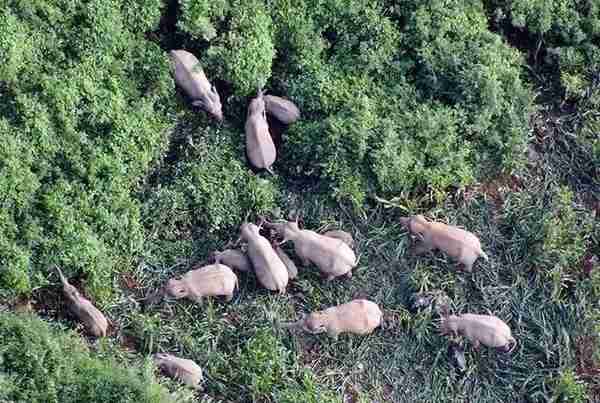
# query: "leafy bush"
83,115
569,22
460,63
207,192
407,147
567,29
38,364
579,68
459,106
198,17
142,15
244,54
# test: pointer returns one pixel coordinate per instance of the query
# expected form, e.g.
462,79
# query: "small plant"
145,328
263,364
207,192
568,389
564,244
306,390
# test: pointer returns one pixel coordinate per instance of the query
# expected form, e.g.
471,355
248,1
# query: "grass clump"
40,364
553,238
266,367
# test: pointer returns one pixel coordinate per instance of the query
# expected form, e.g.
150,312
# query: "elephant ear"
444,310
404,221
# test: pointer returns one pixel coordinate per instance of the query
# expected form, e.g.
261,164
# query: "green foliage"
564,243
266,367
410,147
299,42
306,389
567,21
459,106
568,388
198,17
142,15
553,236
207,192
262,363
564,239
568,28
462,64
244,54
79,132
575,143
578,69
38,364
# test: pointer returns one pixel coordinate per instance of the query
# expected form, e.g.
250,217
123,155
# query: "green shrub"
198,17
142,15
244,54
578,69
568,22
362,40
207,193
568,28
263,364
577,145
38,364
408,145
567,388
462,64
459,106
83,115
298,40
564,243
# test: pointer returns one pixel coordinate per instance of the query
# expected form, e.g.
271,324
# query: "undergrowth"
482,114
42,364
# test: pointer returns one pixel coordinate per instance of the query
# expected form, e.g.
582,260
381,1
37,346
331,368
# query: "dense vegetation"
482,113
83,116
40,364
